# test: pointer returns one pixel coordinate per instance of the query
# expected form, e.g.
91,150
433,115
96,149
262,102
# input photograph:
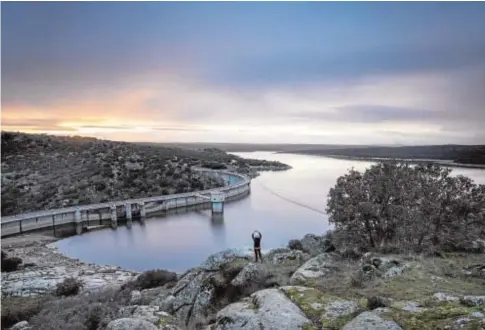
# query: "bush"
154,278
10,264
393,206
376,302
82,312
17,309
295,244
69,287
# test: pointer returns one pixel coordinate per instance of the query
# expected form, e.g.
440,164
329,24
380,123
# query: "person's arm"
252,236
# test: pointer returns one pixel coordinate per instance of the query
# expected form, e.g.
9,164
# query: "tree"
395,204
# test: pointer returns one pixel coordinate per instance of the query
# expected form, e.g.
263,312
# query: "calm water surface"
282,205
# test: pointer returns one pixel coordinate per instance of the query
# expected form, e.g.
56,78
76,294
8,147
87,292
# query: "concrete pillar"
143,212
78,221
129,214
114,216
217,201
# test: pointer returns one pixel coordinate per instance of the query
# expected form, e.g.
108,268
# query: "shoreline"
43,266
442,162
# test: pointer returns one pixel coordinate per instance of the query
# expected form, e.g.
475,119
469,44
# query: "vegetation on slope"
460,154
45,172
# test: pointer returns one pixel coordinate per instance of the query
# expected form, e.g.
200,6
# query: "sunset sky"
287,72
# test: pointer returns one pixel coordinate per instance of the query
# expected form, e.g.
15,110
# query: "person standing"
257,245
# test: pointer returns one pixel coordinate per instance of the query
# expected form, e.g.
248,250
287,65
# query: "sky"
254,72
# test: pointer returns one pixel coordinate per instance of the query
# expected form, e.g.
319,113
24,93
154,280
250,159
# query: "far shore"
443,162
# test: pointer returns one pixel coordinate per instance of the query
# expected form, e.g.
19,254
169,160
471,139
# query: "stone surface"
286,257
130,324
192,294
50,267
473,300
147,313
267,309
440,296
135,297
215,261
315,268
314,244
251,272
332,311
370,321
24,325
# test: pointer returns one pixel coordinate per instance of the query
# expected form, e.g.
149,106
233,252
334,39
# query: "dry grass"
426,276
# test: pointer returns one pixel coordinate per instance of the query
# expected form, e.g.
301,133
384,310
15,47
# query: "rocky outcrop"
312,244
370,321
46,267
24,325
130,324
258,312
315,268
323,309
151,314
286,257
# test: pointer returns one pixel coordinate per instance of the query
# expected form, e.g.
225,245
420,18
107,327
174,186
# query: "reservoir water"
282,205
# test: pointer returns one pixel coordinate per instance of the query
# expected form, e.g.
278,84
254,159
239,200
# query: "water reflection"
178,241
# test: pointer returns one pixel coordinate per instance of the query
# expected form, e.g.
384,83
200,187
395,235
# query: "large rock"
286,257
333,312
250,273
24,325
371,321
147,313
192,295
316,268
267,309
473,301
315,245
216,260
130,324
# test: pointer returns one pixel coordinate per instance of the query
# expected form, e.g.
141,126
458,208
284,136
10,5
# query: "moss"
437,317
314,303
310,326
311,301
339,322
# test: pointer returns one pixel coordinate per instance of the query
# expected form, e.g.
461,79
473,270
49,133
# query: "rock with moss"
267,309
287,257
251,272
371,321
443,297
434,317
216,260
473,301
316,268
329,311
130,324
315,245
151,314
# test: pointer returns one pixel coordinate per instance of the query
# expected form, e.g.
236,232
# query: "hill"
44,172
459,154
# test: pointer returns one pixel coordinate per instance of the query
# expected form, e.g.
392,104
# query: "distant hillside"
45,172
249,147
460,154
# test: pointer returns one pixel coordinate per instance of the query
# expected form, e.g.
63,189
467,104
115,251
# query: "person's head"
256,233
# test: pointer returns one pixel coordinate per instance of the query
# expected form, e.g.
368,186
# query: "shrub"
376,302
295,244
91,311
17,309
69,287
393,206
10,264
154,278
